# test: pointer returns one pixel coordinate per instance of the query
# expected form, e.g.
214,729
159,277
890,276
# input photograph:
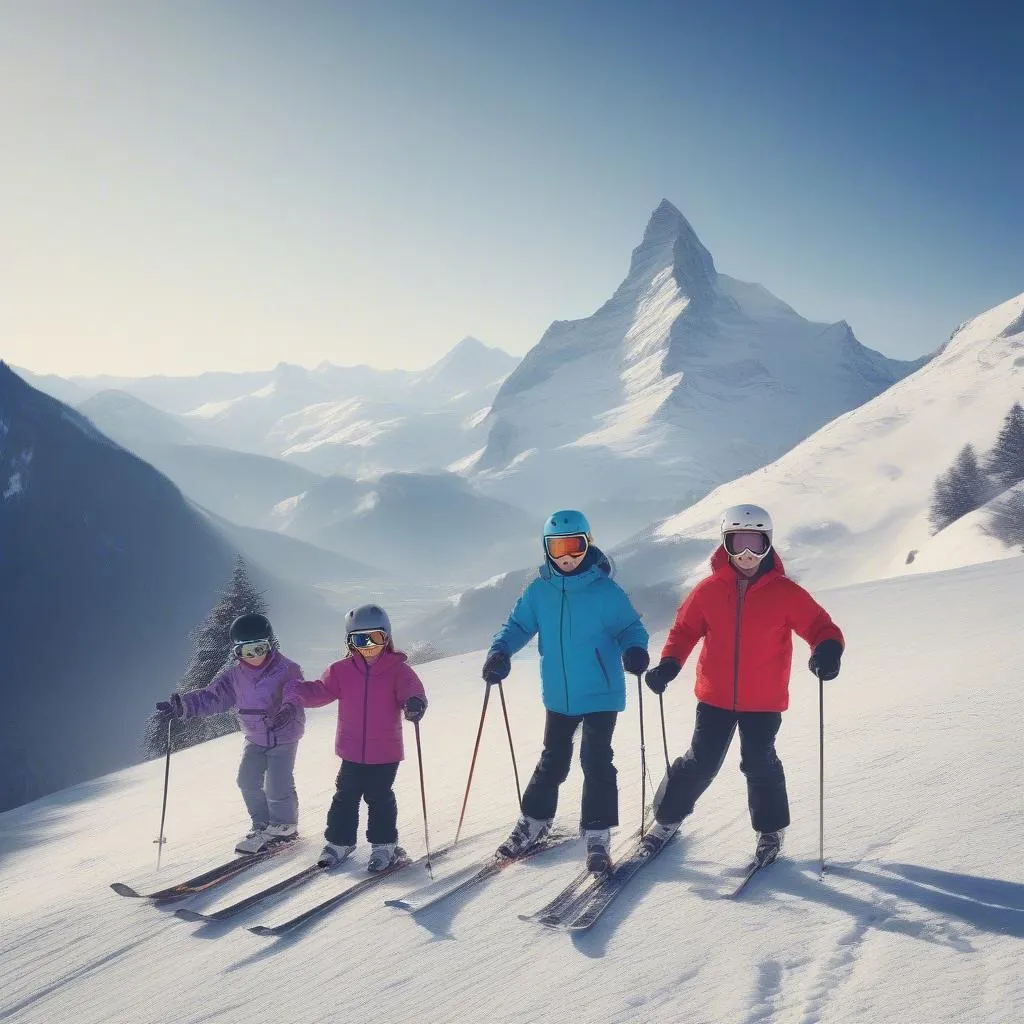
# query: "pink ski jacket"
370,701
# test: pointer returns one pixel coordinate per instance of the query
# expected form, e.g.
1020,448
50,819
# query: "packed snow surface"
919,918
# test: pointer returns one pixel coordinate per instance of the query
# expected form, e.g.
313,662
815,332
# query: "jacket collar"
255,671
592,568
722,568
387,658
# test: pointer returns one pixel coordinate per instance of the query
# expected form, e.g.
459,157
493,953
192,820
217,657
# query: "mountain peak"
472,359
669,240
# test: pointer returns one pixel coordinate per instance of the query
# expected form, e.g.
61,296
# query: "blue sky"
217,185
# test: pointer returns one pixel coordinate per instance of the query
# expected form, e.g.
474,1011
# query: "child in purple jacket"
373,685
262,686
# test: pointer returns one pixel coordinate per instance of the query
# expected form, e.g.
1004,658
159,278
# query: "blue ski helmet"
565,523
366,617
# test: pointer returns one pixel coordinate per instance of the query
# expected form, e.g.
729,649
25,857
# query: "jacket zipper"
366,704
561,646
604,671
267,731
741,590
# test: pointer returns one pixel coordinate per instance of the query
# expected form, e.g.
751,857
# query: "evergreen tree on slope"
211,651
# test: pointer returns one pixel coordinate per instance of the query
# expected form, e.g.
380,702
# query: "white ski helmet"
747,517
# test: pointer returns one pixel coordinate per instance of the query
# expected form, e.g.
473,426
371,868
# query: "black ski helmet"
250,627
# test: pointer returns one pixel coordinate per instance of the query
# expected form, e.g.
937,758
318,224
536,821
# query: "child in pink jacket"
373,685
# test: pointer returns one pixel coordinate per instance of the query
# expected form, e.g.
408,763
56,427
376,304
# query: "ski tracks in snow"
801,989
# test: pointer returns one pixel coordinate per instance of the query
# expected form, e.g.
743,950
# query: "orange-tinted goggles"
574,545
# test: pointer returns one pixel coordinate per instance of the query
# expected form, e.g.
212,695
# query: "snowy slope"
965,542
920,918
851,502
683,379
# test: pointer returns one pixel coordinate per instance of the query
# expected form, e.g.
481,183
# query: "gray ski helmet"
247,628
367,616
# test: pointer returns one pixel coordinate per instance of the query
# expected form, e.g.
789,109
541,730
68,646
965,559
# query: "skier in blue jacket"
589,634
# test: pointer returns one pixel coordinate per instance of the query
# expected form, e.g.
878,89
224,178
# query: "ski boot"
281,833
599,858
333,854
527,831
658,835
254,840
768,846
383,856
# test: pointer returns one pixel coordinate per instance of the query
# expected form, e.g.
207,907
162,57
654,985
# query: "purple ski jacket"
256,694
370,701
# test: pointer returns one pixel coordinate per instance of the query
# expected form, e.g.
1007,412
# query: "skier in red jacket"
745,612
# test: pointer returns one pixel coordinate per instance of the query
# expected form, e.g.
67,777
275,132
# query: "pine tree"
1005,460
961,489
211,651
1006,522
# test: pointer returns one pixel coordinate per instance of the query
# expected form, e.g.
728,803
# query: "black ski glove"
415,708
635,660
824,661
171,708
497,666
662,674
285,716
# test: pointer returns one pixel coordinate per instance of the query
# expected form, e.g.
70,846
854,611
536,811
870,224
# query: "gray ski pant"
267,781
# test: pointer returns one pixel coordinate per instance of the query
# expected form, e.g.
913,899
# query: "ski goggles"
367,639
753,542
573,545
252,649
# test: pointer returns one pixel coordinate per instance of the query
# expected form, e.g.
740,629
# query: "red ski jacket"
747,628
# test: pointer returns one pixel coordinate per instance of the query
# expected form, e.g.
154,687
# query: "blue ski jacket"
585,622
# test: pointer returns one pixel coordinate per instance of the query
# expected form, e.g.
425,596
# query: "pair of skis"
207,880
581,903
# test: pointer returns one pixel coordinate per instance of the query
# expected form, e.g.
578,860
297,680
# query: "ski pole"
423,798
821,773
643,756
163,812
512,749
664,735
472,763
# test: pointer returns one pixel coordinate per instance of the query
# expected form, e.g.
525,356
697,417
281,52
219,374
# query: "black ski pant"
369,782
600,788
692,773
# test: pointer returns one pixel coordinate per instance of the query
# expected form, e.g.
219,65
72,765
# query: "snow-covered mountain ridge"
684,378
851,502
